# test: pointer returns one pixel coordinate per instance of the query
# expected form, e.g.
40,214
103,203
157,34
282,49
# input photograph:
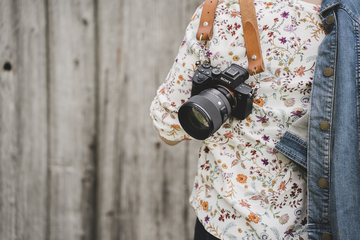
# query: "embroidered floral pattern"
244,188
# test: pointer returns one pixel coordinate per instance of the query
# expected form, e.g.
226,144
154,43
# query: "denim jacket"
326,141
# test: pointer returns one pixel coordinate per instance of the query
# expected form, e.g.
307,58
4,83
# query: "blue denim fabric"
331,151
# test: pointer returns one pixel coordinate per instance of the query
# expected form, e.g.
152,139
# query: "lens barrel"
203,114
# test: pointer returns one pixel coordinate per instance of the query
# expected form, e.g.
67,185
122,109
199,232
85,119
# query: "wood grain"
72,119
79,157
23,132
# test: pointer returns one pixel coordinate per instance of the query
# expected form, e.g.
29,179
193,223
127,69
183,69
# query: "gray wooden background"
79,157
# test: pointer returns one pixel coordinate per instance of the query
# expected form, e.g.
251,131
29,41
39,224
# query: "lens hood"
203,114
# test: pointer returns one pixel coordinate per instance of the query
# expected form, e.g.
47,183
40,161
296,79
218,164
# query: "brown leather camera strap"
205,30
250,27
251,36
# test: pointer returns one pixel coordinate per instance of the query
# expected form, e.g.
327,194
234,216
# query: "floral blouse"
244,188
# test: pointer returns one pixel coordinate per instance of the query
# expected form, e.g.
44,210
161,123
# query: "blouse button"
323,183
325,125
330,20
328,72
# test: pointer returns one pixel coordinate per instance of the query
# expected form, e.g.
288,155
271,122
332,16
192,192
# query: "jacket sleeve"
294,142
176,88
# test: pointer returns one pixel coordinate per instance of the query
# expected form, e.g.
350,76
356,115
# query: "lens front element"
203,114
198,119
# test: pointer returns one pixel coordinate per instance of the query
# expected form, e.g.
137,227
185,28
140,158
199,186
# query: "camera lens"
198,119
203,114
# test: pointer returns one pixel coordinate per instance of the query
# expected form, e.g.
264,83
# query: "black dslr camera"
215,95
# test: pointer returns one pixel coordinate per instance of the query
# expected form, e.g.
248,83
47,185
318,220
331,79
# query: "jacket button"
328,72
330,20
326,236
323,183
325,125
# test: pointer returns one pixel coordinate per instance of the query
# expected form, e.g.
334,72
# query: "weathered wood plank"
145,195
8,117
72,121
23,132
110,91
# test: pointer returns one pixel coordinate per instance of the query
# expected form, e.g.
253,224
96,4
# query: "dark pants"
201,233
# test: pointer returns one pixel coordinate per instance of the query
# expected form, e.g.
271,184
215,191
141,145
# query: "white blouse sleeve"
176,88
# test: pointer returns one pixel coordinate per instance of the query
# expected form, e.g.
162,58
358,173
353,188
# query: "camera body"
229,82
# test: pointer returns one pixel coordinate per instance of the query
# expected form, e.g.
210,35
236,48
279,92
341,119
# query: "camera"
215,96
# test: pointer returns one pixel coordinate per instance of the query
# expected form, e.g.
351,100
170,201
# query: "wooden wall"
79,157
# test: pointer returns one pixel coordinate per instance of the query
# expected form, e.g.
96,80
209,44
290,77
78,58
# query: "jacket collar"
328,4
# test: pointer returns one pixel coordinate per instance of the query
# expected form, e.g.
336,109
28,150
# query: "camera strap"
250,27
205,30
251,37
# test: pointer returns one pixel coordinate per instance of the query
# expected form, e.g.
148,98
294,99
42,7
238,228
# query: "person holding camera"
265,158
